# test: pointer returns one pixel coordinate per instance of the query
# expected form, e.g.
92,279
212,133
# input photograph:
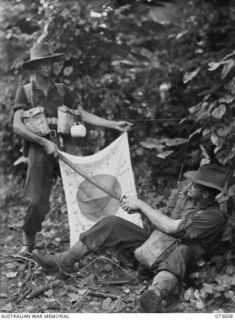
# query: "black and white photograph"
117,162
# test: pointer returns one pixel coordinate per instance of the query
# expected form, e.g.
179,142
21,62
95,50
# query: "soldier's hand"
50,148
129,204
122,126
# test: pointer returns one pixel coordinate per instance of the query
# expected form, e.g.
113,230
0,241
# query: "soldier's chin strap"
109,192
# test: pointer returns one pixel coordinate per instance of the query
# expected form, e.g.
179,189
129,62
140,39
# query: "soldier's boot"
28,245
61,263
163,284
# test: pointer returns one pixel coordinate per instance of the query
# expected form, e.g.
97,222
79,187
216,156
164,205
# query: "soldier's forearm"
161,221
27,134
95,120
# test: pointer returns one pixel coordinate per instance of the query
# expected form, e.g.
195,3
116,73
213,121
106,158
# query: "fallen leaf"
229,295
200,305
107,304
131,297
86,281
119,305
94,303
208,288
48,293
11,275
189,294
203,294
197,294
3,295
8,307
221,288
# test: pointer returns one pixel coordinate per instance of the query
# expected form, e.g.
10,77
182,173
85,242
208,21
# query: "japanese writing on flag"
111,169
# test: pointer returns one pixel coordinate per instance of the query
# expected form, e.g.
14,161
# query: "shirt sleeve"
201,224
70,99
20,100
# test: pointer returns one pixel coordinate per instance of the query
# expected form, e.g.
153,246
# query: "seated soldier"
198,227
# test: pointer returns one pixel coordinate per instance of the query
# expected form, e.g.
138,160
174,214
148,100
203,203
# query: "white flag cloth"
111,168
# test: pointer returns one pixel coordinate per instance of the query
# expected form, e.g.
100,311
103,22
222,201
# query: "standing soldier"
41,98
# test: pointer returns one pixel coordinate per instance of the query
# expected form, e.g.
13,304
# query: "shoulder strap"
61,89
28,92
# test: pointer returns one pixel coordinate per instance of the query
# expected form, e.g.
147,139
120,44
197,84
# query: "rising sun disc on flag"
93,202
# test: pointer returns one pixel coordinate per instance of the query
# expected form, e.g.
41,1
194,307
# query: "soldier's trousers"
114,231
41,168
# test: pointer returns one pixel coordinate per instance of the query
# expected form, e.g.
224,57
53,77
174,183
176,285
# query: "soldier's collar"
34,86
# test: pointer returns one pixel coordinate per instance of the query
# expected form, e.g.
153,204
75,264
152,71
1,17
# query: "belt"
53,133
52,121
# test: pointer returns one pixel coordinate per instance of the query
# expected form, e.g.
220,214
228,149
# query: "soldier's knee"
111,220
39,207
184,251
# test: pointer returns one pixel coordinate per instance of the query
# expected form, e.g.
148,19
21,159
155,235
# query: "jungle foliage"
173,80
125,65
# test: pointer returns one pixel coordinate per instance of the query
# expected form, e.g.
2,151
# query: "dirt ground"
99,284
106,282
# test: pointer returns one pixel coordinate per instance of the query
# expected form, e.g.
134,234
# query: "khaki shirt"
51,102
200,225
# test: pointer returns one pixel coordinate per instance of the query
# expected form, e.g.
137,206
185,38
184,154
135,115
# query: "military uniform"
200,230
42,166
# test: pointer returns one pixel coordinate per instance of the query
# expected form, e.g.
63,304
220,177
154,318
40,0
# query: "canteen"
78,130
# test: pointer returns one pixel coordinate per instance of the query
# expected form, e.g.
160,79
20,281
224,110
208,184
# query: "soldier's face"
44,68
195,191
